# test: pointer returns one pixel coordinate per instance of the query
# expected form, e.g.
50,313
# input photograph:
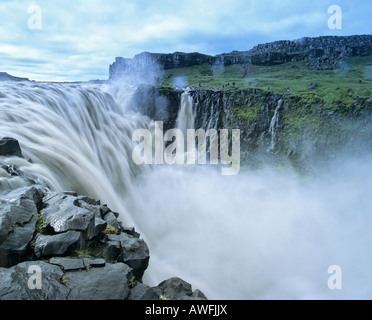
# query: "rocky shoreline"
75,245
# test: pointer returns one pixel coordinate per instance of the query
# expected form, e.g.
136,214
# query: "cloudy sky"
78,39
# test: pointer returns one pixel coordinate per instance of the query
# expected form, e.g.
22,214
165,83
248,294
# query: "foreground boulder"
15,285
108,282
18,217
171,289
10,147
62,246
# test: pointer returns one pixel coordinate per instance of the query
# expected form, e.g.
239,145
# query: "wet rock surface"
64,246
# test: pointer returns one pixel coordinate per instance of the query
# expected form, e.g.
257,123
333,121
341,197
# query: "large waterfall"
75,135
257,235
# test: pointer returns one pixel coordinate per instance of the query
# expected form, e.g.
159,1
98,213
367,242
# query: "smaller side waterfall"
186,114
274,125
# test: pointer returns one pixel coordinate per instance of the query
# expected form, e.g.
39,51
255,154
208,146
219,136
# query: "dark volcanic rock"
134,252
144,292
18,216
10,147
148,61
14,282
62,214
88,258
58,245
68,264
93,262
320,53
178,289
159,104
108,283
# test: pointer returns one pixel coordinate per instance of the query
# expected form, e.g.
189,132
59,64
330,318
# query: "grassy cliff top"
332,85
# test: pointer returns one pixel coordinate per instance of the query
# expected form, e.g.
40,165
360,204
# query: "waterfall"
274,126
75,135
186,114
256,235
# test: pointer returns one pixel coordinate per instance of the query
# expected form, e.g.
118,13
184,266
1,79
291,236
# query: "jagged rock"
18,216
313,86
61,244
144,292
108,283
198,295
93,262
93,205
89,201
72,263
99,226
62,214
112,220
28,178
14,282
10,147
178,289
36,223
134,252
68,264
111,251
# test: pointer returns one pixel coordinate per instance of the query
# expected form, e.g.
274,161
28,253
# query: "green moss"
93,249
111,230
40,227
63,279
247,112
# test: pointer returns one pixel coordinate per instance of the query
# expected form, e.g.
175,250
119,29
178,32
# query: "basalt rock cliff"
320,53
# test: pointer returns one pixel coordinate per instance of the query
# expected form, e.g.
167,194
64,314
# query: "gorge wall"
319,53
275,129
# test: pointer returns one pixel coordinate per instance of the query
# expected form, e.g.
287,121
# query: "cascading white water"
77,137
186,114
274,125
255,235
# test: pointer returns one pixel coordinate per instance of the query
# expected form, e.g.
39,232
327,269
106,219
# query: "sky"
74,40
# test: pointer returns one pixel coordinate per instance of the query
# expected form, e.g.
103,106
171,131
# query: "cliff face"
301,128
320,53
146,61
7,77
275,129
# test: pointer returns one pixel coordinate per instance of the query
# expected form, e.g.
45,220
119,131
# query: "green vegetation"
40,227
63,279
111,230
93,250
313,121
333,85
132,281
